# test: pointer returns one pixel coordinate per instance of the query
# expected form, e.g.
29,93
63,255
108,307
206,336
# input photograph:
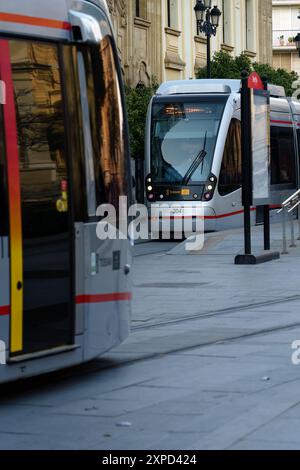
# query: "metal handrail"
287,209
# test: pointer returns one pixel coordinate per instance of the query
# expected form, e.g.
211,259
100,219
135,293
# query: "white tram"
65,295
187,117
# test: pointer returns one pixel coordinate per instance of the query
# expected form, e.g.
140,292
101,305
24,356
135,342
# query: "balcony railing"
284,38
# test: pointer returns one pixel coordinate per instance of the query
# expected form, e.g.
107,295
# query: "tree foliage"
137,100
224,65
278,76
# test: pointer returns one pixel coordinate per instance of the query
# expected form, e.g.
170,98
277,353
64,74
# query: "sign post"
247,161
267,227
255,120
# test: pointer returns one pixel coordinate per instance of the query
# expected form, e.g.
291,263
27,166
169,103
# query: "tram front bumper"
180,221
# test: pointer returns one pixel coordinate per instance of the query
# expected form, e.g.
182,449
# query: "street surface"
207,366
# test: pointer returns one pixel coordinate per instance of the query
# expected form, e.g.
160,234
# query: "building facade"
286,25
138,29
158,38
245,26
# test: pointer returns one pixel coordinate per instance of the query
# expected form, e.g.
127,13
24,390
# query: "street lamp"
297,43
208,19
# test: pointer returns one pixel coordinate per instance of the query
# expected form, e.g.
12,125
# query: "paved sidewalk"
207,366
187,300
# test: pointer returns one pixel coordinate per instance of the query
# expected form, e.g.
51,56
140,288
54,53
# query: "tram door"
40,225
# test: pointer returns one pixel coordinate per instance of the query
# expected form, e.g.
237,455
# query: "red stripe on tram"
102,298
230,214
207,217
35,21
212,217
86,299
4,310
274,121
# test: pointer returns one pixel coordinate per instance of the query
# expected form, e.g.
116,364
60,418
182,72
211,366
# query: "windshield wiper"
196,163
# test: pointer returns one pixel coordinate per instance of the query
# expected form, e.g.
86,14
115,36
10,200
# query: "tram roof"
55,10
43,19
295,105
185,87
18,6
176,87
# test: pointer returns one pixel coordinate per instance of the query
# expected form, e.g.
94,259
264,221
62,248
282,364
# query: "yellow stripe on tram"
16,267
14,193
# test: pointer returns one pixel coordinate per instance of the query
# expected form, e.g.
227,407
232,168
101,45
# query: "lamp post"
207,22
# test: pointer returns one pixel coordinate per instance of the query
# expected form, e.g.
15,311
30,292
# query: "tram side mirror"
133,182
85,28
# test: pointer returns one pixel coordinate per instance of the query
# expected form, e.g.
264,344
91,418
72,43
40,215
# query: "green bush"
224,65
277,76
137,100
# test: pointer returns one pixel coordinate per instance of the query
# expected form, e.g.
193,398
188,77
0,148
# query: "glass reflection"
44,195
110,152
38,96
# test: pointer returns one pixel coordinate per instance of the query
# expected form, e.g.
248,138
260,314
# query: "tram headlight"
210,188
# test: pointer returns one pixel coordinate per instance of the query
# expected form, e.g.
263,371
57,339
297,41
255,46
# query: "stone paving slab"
207,366
200,402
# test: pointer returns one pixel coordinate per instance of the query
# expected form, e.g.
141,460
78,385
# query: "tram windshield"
184,135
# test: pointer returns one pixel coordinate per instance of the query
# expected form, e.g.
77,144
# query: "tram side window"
4,220
231,170
283,165
41,134
108,124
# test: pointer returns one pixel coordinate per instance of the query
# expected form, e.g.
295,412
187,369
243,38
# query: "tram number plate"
177,211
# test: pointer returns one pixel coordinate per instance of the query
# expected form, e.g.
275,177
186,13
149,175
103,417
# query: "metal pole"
267,230
293,244
208,57
285,251
267,226
247,163
208,36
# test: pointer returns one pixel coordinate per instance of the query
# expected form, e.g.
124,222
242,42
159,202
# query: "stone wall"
139,40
